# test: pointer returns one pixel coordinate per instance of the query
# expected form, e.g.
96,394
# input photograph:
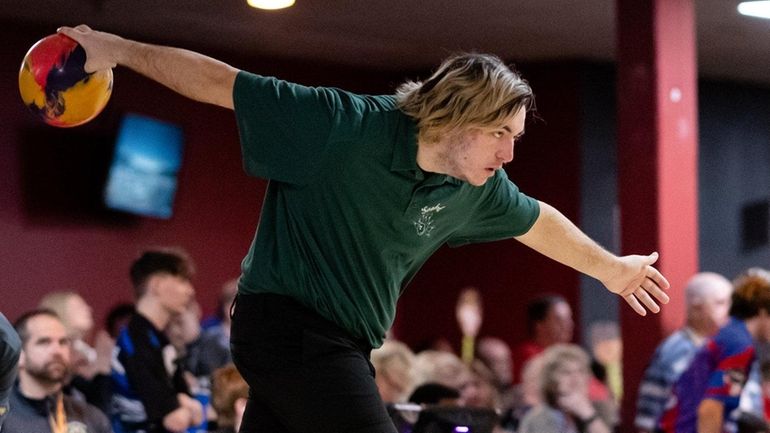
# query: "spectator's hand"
577,405
104,345
81,360
177,421
193,406
638,282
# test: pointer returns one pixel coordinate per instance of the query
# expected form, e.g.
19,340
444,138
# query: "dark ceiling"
402,34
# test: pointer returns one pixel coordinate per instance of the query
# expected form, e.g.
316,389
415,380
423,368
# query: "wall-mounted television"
142,179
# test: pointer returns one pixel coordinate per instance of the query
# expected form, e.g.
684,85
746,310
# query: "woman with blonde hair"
565,406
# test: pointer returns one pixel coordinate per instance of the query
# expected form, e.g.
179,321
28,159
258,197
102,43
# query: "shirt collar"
405,156
39,405
405,148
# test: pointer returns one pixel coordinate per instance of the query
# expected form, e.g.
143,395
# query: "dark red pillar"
657,167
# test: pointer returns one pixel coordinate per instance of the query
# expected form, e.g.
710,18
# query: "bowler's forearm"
188,73
556,237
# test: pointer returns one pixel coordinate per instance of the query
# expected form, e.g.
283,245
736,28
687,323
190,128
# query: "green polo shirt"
348,216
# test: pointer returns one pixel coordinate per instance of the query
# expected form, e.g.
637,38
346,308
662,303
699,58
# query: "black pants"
305,374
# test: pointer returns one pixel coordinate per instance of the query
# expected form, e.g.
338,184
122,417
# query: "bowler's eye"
498,134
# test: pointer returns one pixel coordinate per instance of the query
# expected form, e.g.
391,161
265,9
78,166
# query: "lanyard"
57,417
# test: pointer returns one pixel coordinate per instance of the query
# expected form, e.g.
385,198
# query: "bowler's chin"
481,180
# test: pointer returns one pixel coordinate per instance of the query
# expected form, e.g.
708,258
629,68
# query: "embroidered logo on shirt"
424,224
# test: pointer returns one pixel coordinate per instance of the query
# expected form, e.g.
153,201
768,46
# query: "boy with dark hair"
151,394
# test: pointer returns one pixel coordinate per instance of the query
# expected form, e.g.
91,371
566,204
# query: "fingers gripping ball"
55,86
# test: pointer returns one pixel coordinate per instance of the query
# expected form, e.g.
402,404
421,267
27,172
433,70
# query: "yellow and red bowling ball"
55,86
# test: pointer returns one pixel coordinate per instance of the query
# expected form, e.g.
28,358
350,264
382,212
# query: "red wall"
217,206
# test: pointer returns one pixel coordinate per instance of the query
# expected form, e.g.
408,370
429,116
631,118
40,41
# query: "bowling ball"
55,86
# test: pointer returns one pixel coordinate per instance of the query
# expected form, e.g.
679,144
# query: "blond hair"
553,358
467,90
395,361
444,368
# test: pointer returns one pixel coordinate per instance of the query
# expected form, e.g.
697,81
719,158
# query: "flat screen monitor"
142,178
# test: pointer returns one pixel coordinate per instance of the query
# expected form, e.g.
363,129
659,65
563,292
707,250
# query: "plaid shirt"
670,360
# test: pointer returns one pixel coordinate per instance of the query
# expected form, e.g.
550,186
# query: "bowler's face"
475,155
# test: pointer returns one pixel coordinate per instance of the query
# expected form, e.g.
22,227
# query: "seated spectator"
524,396
565,406
549,321
229,393
480,391
151,393
10,348
393,363
607,358
440,367
708,392
184,329
118,317
90,365
750,422
707,304
183,332
434,343
212,349
496,355
38,403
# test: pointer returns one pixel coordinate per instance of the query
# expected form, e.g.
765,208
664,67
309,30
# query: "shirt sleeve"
502,212
147,375
654,392
284,127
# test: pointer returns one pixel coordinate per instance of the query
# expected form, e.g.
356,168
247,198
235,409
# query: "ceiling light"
759,9
270,4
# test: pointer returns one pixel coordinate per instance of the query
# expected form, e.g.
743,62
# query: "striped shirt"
669,361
